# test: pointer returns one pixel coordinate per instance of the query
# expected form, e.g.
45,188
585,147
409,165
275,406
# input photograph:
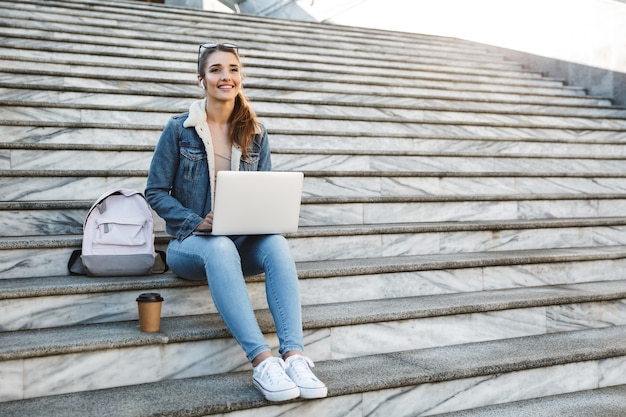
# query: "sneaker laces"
274,368
301,366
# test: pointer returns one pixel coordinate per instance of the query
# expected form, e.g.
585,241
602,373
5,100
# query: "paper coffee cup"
149,305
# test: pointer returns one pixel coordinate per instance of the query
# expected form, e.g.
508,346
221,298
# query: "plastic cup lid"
149,297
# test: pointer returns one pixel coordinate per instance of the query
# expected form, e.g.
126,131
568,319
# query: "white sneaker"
270,378
299,370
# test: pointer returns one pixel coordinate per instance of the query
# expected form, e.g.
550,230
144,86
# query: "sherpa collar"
197,113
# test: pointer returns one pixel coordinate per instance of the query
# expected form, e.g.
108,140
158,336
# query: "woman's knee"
219,246
275,243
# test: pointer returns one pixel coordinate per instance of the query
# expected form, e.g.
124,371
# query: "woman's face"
222,77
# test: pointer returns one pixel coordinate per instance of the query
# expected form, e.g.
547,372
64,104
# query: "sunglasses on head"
213,45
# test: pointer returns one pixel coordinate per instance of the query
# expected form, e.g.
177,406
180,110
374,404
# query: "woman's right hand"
207,224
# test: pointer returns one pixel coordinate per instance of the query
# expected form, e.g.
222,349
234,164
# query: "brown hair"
243,122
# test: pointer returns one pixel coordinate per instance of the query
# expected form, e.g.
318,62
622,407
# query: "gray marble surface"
488,142
82,369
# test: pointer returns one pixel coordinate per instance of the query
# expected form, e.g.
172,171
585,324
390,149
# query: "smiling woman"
221,132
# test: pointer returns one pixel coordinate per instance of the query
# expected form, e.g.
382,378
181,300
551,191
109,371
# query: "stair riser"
284,141
20,159
422,130
502,146
90,136
438,164
89,188
260,98
77,372
407,244
53,188
103,307
445,281
356,213
381,122
281,143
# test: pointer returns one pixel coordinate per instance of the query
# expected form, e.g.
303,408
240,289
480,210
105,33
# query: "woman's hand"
207,223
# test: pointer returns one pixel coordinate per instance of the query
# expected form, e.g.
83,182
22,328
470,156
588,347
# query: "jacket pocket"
192,169
250,163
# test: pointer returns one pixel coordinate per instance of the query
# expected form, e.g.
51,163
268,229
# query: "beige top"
223,153
222,162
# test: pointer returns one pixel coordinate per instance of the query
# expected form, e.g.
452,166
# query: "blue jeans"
224,261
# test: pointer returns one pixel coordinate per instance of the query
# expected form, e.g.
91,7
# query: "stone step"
351,210
262,66
64,215
482,131
134,14
23,108
265,101
81,299
124,79
18,78
182,49
168,34
117,137
84,63
299,32
433,380
28,256
605,402
63,186
99,158
320,125
383,324
409,144
533,127
295,72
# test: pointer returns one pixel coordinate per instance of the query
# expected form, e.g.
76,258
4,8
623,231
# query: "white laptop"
257,202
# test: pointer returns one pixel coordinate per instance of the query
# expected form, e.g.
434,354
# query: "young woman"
221,133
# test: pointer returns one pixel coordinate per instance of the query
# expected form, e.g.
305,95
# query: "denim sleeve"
265,159
180,221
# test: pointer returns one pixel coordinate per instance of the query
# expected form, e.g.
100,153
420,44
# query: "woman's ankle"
291,353
261,357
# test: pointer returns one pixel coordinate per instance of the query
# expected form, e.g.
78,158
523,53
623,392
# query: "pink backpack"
118,237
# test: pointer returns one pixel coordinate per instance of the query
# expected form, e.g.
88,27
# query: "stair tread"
234,391
83,338
64,285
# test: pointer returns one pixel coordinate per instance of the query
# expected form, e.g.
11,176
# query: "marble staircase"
462,234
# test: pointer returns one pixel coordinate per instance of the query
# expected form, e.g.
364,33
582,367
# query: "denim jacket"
182,177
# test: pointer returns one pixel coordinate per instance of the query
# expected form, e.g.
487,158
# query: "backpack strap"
75,264
163,261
